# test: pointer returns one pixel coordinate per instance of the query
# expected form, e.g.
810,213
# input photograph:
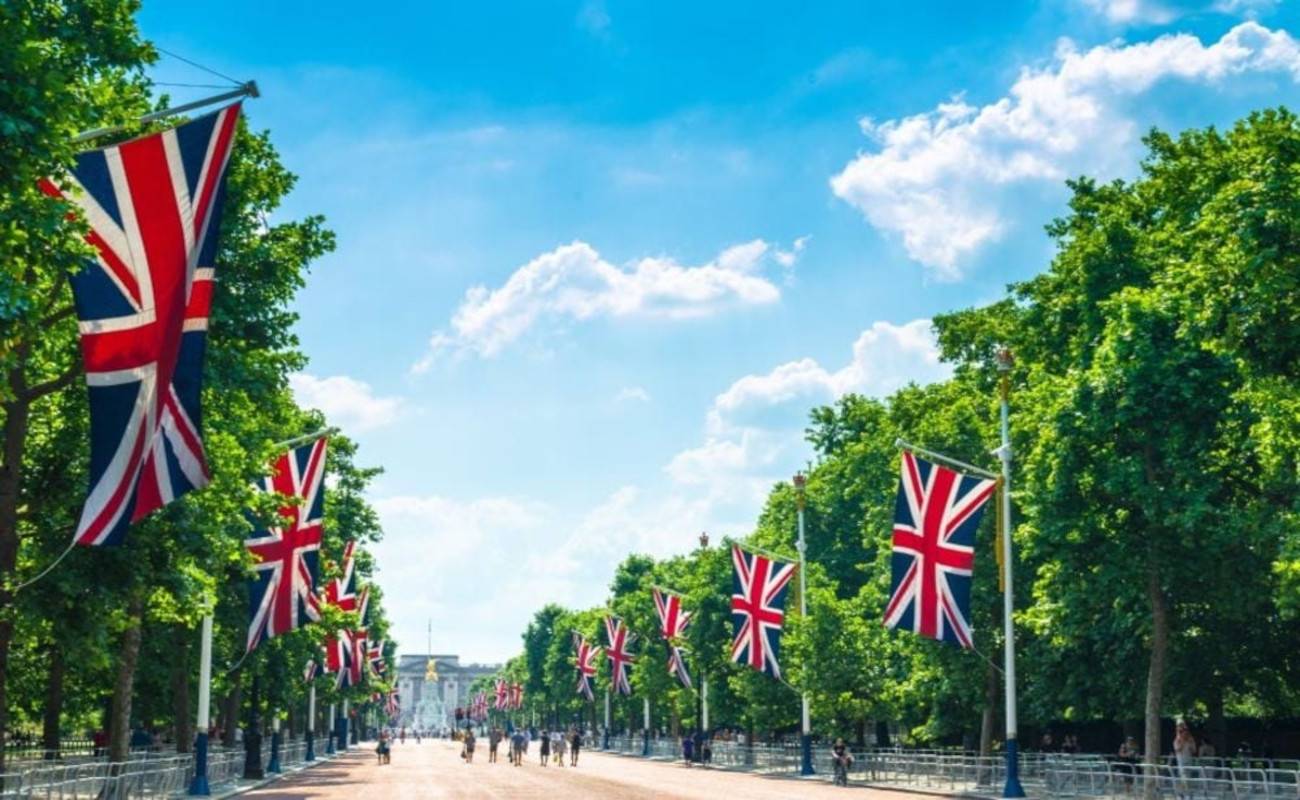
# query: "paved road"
435,770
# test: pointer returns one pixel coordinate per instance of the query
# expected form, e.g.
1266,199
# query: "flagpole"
933,456
311,721
645,739
704,702
248,89
199,786
1013,787
306,437
805,740
273,766
331,729
606,744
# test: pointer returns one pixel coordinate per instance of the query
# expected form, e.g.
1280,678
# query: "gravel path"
434,769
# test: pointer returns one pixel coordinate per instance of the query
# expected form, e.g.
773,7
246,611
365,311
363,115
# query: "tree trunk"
17,413
861,734
1218,723
230,712
990,711
1156,670
119,727
181,689
53,701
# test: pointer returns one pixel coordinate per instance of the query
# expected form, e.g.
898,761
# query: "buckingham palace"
433,687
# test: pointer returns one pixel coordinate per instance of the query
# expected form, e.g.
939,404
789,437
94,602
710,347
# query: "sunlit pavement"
434,769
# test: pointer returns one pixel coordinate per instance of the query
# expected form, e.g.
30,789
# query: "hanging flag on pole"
393,705
282,594
310,671
672,624
758,609
516,696
375,658
502,695
677,666
936,514
154,209
619,639
586,657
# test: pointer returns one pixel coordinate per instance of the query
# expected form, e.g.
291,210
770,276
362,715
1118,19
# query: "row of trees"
1156,427
110,635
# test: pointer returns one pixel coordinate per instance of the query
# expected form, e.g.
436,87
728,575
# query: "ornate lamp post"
805,740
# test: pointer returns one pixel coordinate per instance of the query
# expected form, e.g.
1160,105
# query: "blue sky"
597,260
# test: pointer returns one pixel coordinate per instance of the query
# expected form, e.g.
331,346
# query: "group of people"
554,744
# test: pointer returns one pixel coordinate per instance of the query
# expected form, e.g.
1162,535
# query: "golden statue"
431,671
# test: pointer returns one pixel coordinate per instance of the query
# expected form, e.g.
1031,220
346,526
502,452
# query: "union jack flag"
375,658
502,695
282,593
393,705
677,666
310,671
672,624
935,518
620,639
758,609
586,653
154,207
480,706
516,696
342,591
672,619
360,640
339,659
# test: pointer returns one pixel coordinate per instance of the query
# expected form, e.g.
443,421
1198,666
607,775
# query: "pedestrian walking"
842,759
575,744
544,748
558,747
469,746
494,739
1184,756
688,749
517,747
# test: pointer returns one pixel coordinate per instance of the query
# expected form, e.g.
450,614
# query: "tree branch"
52,385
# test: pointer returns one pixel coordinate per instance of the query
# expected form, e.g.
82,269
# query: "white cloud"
941,179
788,258
631,394
432,561
347,402
573,282
885,358
1129,12
754,430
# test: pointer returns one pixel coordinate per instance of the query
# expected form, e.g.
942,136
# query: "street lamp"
1005,362
805,740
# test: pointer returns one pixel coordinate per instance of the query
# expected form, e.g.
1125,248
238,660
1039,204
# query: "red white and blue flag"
502,696
516,696
310,670
758,609
586,658
677,666
935,518
338,659
619,640
393,705
342,591
672,624
282,594
375,658
154,207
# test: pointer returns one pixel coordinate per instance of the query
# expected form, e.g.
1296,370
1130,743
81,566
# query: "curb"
242,788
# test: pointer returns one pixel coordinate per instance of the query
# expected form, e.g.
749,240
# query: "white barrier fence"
144,775
1043,775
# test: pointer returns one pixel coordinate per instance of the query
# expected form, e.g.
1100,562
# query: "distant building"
430,697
